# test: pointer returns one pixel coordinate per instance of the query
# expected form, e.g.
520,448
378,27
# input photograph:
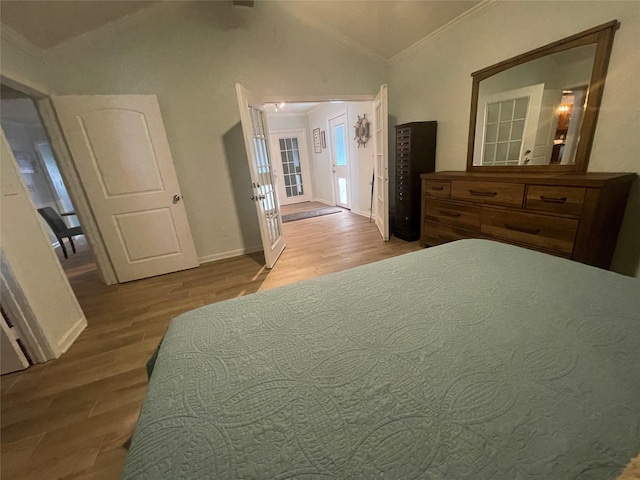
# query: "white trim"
322,200
362,213
230,254
71,335
17,307
23,85
9,35
413,49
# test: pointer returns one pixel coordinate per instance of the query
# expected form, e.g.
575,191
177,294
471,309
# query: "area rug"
316,212
632,472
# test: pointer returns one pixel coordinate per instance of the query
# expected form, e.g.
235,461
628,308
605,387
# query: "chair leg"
73,247
64,250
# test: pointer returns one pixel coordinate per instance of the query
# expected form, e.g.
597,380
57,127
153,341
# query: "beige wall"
434,82
191,55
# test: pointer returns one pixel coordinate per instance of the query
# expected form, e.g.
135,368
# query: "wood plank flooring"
71,418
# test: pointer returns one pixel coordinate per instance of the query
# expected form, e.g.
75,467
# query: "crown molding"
416,47
9,35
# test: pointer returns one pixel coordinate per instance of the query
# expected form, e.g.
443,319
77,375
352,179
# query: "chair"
59,228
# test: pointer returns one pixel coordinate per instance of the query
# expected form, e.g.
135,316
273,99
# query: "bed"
471,360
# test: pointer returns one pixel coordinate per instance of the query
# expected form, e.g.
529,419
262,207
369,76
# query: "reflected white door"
120,148
381,166
509,123
340,160
291,166
256,139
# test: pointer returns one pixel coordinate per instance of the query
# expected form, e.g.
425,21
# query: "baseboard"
70,337
229,254
361,213
326,202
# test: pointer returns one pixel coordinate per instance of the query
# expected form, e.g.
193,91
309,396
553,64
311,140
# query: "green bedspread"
472,360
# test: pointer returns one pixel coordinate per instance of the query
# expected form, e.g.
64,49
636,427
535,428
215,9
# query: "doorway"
39,170
340,160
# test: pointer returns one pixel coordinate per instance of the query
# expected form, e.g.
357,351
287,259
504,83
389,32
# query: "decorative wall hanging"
323,140
362,130
317,146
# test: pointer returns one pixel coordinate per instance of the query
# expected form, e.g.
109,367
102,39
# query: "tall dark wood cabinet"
415,154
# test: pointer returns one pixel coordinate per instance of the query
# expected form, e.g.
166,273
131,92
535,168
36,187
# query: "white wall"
41,279
362,159
434,80
191,54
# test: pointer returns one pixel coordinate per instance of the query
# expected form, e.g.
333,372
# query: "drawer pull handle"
531,231
449,214
478,193
437,189
553,200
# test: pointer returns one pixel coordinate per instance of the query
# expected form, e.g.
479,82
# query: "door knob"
176,199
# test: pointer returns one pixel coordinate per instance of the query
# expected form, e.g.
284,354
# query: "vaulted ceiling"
383,27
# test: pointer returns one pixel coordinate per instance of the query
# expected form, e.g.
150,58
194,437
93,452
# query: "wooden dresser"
572,215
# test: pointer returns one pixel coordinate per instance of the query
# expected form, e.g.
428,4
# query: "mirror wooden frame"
602,37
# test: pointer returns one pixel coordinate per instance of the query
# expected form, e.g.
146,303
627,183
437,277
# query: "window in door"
340,154
504,130
291,167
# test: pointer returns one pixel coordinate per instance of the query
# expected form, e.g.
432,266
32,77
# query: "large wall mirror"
538,111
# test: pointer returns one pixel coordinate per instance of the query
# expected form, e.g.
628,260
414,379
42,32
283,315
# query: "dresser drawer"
551,233
436,234
495,193
557,199
464,216
436,188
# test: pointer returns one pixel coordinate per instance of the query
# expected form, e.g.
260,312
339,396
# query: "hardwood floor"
71,418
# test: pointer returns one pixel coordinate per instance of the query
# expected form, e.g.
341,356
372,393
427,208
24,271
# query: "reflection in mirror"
531,114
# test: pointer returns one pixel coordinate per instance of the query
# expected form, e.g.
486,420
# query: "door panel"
381,174
291,166
509,124
256,134
120,149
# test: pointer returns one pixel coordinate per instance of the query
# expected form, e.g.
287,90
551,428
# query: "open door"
256,139
381,172
121,152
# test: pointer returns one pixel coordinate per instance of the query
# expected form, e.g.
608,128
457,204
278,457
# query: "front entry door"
120,148
340,160
256,139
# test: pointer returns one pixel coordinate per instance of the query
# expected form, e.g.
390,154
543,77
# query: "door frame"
69,174
305,162
330,147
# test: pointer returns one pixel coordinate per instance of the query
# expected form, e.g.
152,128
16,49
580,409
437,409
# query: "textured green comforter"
472,360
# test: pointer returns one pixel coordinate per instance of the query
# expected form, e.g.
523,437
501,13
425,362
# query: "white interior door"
291,166
340,160
256,139
120,148
509,125
381,166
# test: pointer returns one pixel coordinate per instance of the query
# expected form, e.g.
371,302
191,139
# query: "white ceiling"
383,27
48,23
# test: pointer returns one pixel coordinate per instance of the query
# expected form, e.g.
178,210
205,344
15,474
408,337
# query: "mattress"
471,360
